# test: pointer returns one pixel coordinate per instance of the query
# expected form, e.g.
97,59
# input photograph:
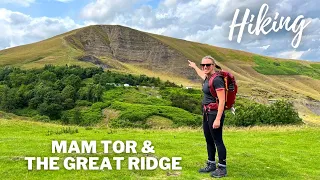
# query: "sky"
204,21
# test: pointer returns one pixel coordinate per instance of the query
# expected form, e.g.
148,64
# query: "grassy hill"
287,152
127,50
265,152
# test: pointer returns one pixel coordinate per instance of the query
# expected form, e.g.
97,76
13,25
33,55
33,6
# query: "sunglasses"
207,65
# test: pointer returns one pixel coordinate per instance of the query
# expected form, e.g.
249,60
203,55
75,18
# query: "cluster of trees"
53,89
49,91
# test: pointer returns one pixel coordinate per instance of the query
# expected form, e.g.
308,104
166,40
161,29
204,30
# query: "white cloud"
291,54
25,3
208,21
18,28
106,10
311,53
264,47
207,36
14,18
170,3
204,21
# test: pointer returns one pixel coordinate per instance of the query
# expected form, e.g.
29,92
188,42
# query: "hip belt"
210,107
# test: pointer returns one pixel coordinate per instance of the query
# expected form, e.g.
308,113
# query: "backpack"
231,87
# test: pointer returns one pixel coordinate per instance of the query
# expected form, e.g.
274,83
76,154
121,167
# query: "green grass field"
270,66
287,152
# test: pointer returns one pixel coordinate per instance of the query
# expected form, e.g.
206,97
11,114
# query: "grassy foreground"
288,152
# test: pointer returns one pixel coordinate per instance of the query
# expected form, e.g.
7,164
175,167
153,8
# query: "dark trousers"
214,137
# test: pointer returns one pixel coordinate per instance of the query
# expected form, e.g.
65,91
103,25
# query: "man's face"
207,66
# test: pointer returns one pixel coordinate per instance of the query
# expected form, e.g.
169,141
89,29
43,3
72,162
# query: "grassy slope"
242,64
57,51
256,153
51,51
196,51
129,103
129,68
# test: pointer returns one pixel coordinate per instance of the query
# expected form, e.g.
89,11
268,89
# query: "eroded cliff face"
130,46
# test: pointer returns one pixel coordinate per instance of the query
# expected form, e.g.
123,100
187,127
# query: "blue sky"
49,8
204,21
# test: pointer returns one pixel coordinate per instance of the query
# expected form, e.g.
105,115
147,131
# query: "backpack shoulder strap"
211,85
204,81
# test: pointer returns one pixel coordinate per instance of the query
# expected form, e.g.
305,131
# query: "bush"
281,112
83,103
100,105
72,116
278,113
41,118
66,130
135,115
84,116
94,114
26,112
187,99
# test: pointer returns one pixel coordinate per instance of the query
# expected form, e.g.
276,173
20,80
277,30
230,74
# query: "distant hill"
131,51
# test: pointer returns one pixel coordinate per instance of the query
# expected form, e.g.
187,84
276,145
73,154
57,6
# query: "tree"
7,98
48,76
68,104
52,110
72,80
97,91
83,93
68,92
106,78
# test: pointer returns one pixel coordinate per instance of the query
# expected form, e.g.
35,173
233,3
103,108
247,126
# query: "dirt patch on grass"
159,122
314,107
108,115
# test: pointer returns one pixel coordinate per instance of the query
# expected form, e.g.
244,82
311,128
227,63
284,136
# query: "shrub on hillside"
135,115
187,99
41,118
278,113
26,112
84,116
281,112
83,103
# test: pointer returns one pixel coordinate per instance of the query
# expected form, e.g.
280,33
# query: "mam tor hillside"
126,50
